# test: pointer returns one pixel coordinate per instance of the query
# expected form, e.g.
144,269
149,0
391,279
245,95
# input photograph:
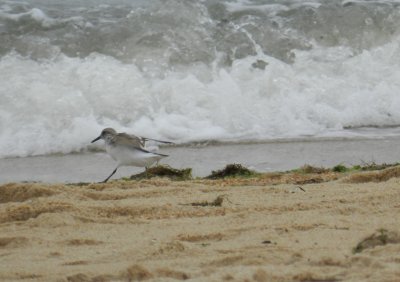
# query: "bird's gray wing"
131,139
133,144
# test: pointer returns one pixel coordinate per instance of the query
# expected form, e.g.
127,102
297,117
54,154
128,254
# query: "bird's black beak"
94,140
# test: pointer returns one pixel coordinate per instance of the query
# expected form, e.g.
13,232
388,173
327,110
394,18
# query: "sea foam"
60,105
229,71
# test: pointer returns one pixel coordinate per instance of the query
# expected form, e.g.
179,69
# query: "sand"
275,227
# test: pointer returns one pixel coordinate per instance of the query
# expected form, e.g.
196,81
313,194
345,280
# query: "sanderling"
128,150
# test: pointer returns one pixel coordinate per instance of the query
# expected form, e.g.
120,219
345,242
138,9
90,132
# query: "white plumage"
128,150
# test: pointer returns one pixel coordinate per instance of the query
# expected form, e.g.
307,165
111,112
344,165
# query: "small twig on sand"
301,188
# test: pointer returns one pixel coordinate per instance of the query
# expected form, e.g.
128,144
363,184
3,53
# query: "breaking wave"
194,70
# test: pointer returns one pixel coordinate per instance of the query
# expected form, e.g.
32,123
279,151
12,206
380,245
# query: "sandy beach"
303,94
274,227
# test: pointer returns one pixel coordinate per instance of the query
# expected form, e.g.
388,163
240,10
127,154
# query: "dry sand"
274,228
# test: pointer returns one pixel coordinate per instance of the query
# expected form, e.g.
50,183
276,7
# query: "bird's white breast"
129,156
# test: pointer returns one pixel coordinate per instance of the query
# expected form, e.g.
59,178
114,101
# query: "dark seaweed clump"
306,169
80,184
232,170
340,168
364,167
164,171
374,166
380,238
216,203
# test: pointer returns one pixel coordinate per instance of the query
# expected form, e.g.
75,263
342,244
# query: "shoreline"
261,157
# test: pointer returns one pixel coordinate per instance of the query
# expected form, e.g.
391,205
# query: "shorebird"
128,150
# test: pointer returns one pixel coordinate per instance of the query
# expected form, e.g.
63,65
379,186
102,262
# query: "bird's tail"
158,141
161,155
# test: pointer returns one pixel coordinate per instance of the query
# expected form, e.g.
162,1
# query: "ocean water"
193,71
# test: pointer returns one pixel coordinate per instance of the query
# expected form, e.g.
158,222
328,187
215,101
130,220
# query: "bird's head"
106,134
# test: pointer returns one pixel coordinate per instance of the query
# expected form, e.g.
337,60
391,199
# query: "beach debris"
340,168
266,242
201,237
379,238
374,166
312,169
232,170
374,176
363,167
164,171
309,277
294,189
308,174
301,188
310,180
216,203
80,184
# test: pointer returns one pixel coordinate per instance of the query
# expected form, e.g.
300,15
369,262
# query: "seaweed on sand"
216,203
164,171
379,238
232,170
374,175
374,166
340,168
308,169
80,184
364,167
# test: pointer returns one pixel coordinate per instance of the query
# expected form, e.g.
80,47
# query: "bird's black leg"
105,180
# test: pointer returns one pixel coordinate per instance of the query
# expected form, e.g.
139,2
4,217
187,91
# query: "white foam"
60,105
36,15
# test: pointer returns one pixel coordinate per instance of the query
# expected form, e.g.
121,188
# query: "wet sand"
277,227
262,157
